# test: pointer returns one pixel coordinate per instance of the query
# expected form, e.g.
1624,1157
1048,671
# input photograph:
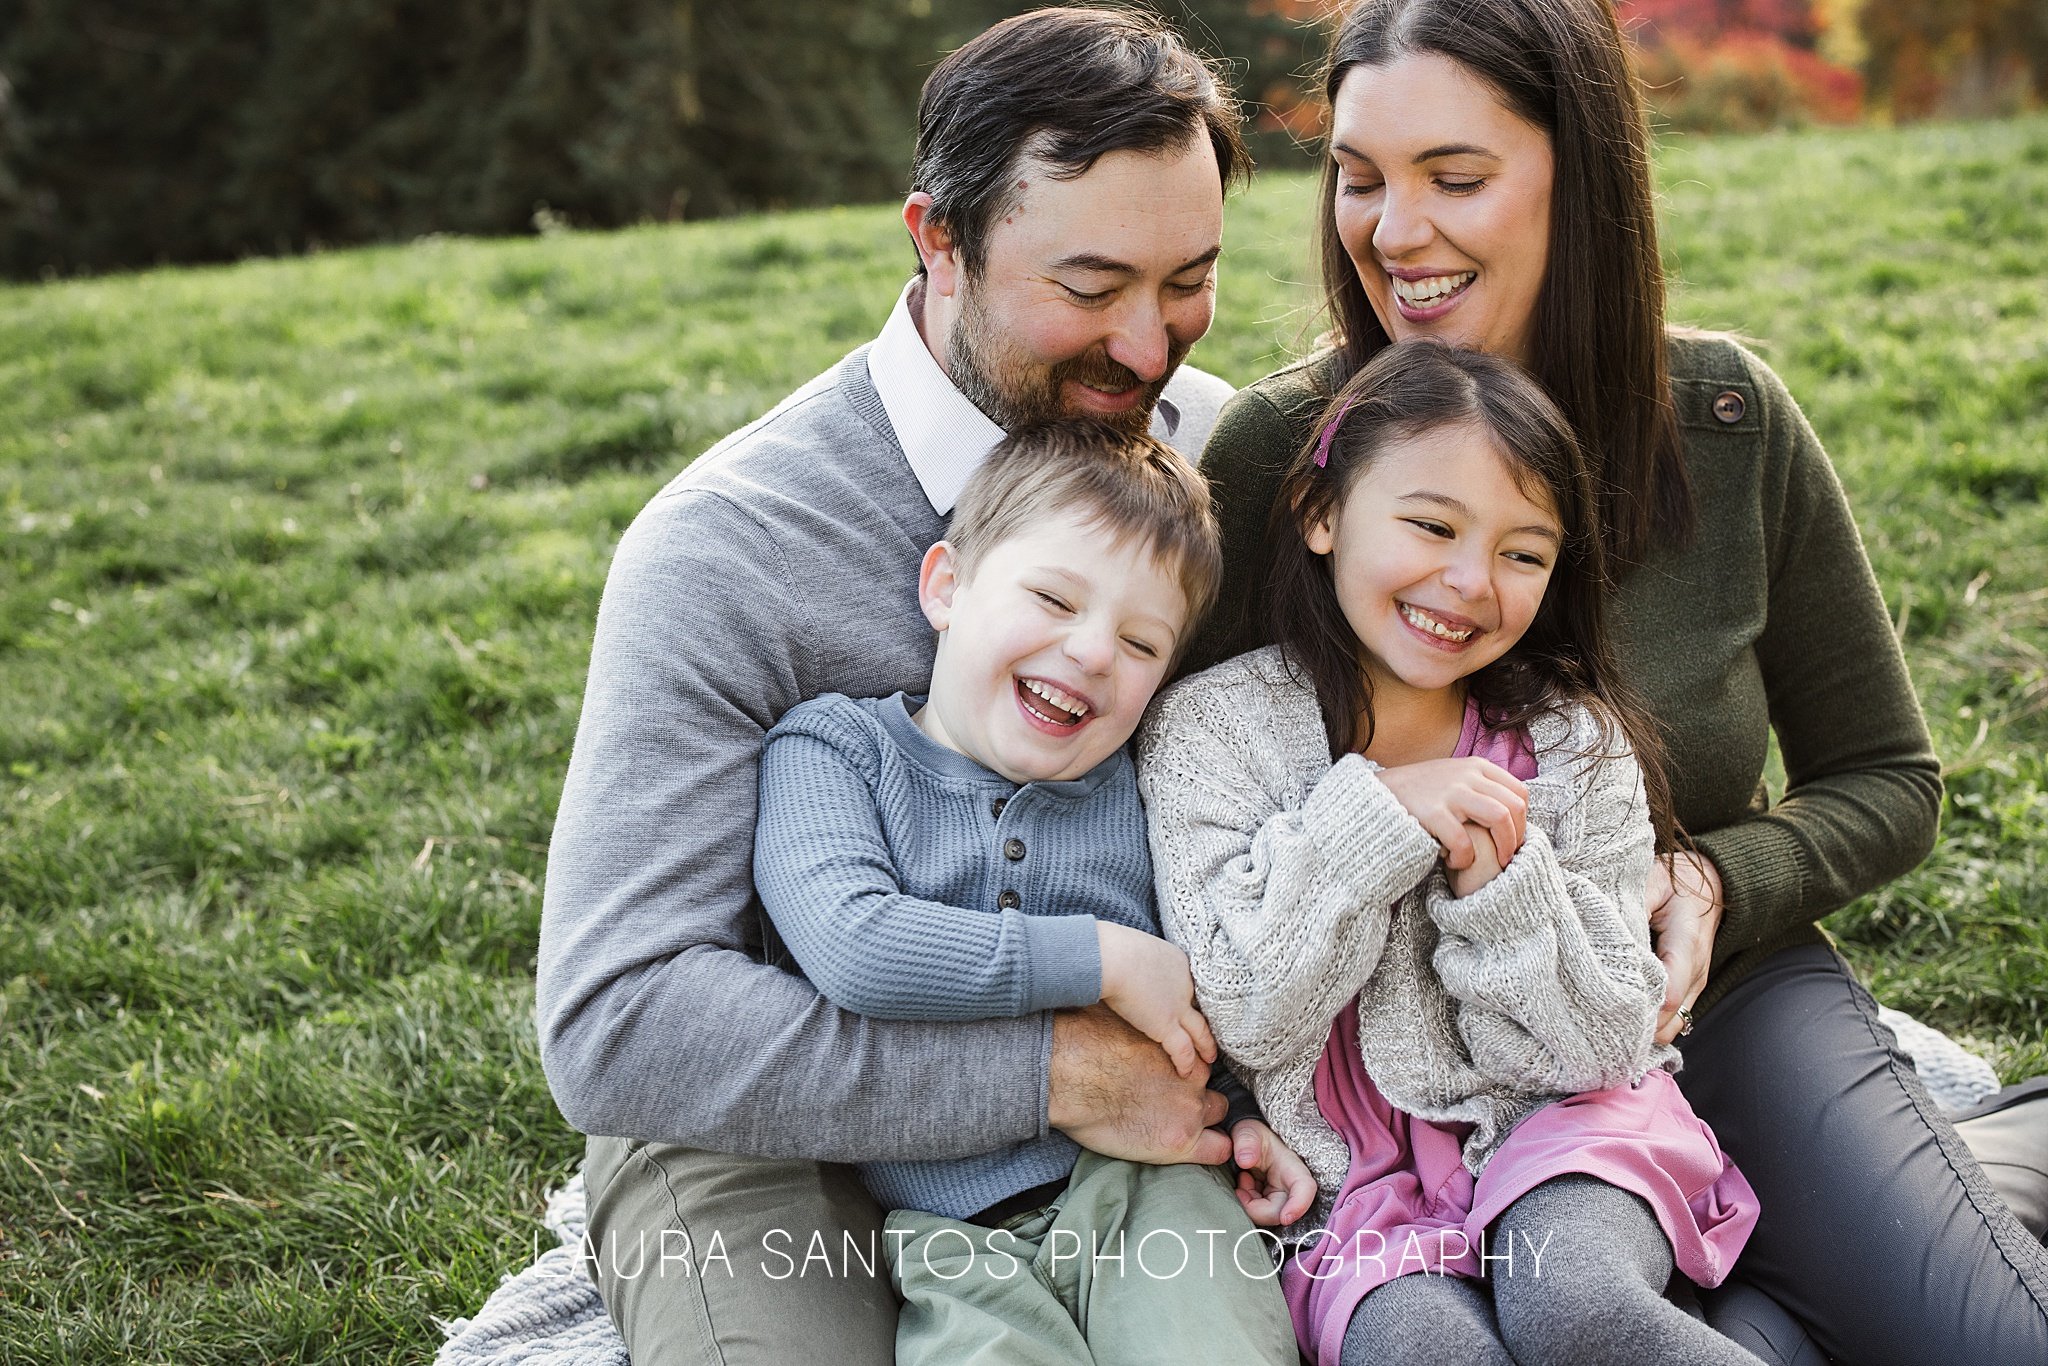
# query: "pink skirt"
1408,1204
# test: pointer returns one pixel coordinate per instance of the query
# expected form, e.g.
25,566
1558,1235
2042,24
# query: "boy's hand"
1146,980
1273,1184
1454,798
1483,869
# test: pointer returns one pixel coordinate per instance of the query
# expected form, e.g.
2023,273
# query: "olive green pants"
1131,1264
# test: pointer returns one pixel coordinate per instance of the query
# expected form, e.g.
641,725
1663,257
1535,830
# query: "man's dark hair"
1063,87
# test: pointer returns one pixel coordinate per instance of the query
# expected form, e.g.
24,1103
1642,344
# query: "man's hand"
1146,980
1115,1091
1273,1184
1684,901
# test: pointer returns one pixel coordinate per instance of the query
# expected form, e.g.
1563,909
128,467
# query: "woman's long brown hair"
1599,342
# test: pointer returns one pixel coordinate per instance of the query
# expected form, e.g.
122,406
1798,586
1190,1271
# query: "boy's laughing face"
1050,649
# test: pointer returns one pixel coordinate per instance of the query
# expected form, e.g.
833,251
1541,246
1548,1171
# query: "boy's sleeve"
828,881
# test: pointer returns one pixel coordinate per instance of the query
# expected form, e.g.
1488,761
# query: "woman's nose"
1403,227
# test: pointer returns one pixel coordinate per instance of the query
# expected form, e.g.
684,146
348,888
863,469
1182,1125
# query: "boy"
983,854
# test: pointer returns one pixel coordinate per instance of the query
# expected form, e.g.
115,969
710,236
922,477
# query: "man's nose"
1140,343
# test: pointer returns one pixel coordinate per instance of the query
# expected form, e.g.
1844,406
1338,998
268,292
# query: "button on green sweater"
1770,620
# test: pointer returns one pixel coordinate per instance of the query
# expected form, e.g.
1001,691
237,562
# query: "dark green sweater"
1770,620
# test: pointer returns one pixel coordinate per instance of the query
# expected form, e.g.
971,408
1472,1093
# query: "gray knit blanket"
549,1314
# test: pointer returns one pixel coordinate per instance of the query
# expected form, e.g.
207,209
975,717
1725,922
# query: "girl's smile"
1440,559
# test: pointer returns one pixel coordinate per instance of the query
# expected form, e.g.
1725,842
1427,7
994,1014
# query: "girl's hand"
1273,1184
1146,980
1484,867
1453,798
1684,900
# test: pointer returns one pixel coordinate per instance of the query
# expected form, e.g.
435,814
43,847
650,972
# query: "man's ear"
938,577
934,243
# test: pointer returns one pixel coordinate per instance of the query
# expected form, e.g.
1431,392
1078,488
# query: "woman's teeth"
1422,620
1431,290
1072,709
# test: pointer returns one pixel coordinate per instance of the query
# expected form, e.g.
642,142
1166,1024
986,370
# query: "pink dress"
1408,1204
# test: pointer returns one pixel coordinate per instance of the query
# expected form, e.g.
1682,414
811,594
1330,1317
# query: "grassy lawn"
298,566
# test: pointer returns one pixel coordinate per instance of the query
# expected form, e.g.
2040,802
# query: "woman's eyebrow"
1455,149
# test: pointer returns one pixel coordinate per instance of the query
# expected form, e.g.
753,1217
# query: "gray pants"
1878,1229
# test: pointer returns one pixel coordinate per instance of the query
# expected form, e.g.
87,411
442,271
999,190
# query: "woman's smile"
1442,203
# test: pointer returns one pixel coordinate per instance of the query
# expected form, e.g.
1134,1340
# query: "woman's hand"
1146,980
1684,901
1452,797
1273,1184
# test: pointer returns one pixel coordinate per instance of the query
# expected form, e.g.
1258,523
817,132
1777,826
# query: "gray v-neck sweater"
782,564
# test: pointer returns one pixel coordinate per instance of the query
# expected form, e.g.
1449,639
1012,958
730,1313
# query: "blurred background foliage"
139,132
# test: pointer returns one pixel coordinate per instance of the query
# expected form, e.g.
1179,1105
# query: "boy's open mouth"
1049,704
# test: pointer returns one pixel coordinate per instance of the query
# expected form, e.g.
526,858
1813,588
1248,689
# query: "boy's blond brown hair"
1128,484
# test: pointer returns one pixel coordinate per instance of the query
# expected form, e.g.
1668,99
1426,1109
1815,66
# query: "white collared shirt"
944,436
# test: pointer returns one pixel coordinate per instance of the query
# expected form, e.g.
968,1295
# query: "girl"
1405,850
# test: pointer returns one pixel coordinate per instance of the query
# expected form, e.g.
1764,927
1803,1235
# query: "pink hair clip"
1330,434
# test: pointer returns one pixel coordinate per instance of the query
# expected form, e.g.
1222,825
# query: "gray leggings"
1577,1279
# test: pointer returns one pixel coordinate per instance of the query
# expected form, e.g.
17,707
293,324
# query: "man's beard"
1018,393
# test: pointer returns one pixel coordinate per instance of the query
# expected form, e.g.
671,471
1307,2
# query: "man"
1067,214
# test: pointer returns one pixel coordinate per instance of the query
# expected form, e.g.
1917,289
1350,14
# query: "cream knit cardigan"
1295,884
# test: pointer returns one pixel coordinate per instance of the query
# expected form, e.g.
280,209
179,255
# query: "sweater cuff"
1762,882
1065,955
1522,899
1364,831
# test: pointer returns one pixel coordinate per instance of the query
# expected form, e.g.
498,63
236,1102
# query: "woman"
1488,184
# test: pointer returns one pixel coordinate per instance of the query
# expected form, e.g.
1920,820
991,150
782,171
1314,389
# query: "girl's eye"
1462,186
1142,647
1433,528
1050,601
1534,561
1359,187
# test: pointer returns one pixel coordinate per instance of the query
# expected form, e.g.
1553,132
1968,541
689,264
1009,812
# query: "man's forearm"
714,1050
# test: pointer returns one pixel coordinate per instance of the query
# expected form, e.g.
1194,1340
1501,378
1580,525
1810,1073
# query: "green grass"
298,565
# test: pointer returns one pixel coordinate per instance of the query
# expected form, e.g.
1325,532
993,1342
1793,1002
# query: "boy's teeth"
1432,289
1415,616
1073,706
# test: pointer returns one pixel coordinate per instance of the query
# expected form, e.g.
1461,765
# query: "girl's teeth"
1416,617
1432,290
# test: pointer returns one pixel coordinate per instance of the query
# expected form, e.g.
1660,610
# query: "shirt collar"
944,436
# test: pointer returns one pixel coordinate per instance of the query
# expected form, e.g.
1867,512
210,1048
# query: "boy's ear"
938,578
934,243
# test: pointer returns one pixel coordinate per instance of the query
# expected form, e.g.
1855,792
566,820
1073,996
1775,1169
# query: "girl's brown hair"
1598,342
1564,657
